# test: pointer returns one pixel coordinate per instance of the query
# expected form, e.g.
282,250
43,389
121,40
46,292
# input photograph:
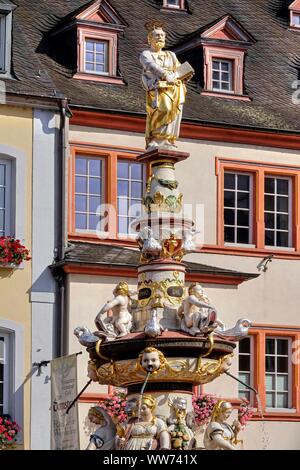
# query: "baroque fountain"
162,340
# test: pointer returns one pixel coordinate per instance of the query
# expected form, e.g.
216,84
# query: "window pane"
1,348
270,400
242,235
282,239
282,186
282,364
225,86
2,198
282,383
123,206
229,216
283,347
123,225
243,200
228,198
2,221
136,190
269,238
282,400
123,189
81,184
135,209
245,378
244,362
95,202
282,204
244,394
100,68
81,221
81,166
93,221
270,346
89,57
89,67
270,382
269,185
89,45
270,220
216,85
95,167
282,222
225,66
1,372
243,218
229,181
244,182
2,175
270,364
100,47
95,186
123,170
244,345
216,75
136,171
225,76
81,203
269,203
229,234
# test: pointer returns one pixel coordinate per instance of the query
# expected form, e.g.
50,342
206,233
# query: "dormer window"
296,20
6,10
175,4
224,45
222,80
97,28
295,15
96,56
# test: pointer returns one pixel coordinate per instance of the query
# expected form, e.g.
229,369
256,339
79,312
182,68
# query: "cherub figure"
196,312
120,323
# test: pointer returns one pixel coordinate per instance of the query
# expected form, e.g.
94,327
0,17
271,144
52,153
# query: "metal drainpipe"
62,321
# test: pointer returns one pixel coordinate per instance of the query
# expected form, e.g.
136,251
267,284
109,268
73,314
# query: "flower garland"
203,407
12,251
8,433
204,404
115,406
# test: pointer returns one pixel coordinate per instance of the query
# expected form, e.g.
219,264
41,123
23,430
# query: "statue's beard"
159,44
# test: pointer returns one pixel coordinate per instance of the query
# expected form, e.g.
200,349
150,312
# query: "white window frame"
289,373
6,39
106,56
2,42
290,213
87,194
251,372
122,234
171,5
230,72
6,373
8,197
295,25
251,205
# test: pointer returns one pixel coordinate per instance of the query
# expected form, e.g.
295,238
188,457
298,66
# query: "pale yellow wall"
16,127
272,298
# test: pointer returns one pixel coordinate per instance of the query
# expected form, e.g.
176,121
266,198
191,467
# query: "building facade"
241,128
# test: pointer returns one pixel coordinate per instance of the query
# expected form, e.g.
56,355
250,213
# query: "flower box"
12,253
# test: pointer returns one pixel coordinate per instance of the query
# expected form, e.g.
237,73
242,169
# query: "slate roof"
44,66
96,254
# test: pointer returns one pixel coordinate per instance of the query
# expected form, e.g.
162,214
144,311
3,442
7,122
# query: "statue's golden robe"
164,101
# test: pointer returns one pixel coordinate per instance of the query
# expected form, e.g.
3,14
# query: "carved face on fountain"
131,408
151,360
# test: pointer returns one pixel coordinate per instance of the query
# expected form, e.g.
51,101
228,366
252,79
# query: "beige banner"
64,427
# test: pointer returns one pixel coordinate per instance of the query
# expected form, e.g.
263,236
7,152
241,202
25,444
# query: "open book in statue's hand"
185,71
